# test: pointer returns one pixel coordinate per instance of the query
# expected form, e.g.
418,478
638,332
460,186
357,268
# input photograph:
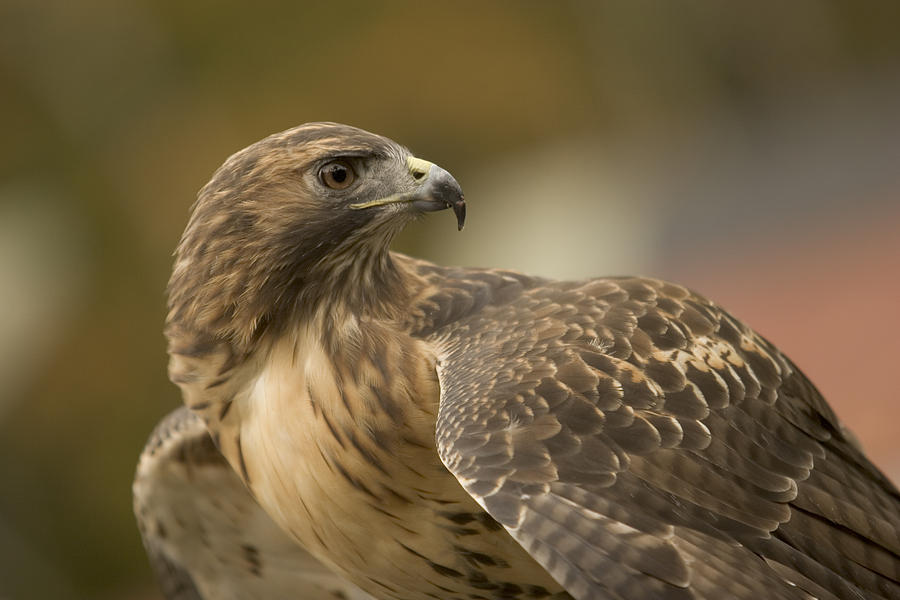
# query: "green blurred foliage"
118,111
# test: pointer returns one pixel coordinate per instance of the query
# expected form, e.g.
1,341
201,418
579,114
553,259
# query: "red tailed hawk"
436,432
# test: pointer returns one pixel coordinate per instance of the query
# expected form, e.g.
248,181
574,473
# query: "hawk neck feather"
262,249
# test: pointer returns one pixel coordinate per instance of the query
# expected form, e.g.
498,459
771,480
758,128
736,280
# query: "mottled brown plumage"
432,432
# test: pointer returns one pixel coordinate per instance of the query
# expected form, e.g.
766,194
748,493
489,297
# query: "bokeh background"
749,150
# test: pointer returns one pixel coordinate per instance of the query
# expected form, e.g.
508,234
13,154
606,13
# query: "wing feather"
641,442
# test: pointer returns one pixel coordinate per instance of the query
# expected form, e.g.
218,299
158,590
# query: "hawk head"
300,218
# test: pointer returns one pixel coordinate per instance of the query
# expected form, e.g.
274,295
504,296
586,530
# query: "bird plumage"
207,538
442,432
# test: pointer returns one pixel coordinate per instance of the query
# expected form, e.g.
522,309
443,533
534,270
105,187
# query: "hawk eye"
338,175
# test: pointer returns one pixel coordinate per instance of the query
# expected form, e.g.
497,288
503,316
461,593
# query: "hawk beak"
437,190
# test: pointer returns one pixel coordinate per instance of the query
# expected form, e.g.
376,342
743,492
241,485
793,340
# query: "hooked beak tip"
459,209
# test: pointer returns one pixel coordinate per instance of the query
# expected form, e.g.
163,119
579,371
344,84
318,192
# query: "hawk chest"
342,455
330,432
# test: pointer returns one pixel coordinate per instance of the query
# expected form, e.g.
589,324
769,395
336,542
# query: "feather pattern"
206,536
620,429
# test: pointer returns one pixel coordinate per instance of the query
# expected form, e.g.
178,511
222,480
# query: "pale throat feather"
332,447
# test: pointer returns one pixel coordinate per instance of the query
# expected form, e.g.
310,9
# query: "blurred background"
751,151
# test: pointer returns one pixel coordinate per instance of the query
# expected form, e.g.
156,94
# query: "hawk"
435,432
